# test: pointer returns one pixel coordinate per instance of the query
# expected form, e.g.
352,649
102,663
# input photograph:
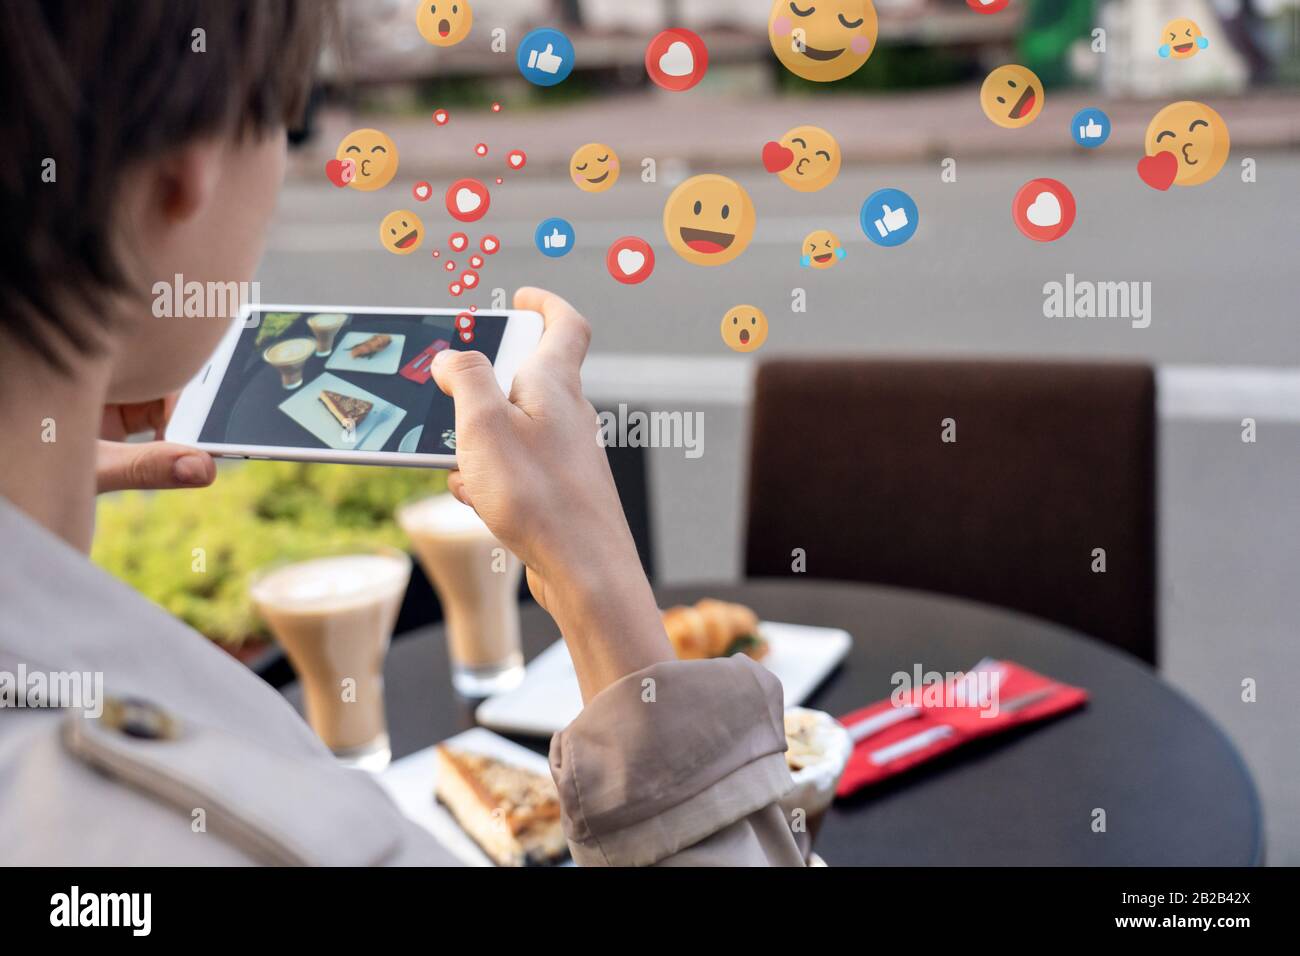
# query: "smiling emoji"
401,232
709,220
822,40
1181,40
445,22
374,156
806,159
1012,96
820,250
1186,144
594,167
744,328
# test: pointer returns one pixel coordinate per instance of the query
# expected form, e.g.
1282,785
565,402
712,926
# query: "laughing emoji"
373,155
1012,96
821,250
1181,40
744,328
709,220
444,23
822,40
594,167
401,232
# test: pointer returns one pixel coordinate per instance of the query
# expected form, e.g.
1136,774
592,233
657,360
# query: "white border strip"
1183,392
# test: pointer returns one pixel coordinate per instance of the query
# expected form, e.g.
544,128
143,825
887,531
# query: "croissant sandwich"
714,629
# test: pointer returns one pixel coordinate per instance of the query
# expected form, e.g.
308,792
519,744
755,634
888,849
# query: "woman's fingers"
456,485
468,377
151,465
567,335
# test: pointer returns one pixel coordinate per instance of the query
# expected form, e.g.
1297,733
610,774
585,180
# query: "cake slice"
511,813
348,410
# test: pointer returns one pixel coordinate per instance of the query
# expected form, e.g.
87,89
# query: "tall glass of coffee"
288,358
325,327
334,617
477,581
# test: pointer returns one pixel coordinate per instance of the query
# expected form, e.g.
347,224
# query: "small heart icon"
459,240
1159,171
454,288
516,158
341,171
467,200
677,59
1044,211
489,244
465,321
476,262
470,279
422,191
630,261
450,266
440,117
776,157
466,336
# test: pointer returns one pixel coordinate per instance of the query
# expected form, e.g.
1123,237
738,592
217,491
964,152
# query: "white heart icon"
467,200
516,159
458,242
469,279
489,245
454,288
677,59
422,192
1045,210
630,261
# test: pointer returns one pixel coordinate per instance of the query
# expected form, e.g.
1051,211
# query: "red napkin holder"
1018,697
424,360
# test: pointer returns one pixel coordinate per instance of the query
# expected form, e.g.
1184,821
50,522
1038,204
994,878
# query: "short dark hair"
95,87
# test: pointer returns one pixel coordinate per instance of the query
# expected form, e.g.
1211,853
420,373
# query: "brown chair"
1051,461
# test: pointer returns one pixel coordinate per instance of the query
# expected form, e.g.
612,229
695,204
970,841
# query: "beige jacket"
236,777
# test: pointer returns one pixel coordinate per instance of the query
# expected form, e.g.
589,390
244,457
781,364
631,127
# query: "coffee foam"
290,350
330,583
442,514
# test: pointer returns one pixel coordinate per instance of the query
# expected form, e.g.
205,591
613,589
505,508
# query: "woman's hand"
533,468
156,464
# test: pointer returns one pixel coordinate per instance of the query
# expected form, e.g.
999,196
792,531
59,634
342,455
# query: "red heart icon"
341,171
1159,171
776,157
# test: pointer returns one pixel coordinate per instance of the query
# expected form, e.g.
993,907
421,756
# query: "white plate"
548,699
383,362
305,407
410,782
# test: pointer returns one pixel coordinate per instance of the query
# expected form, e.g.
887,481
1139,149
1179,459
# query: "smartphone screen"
347,381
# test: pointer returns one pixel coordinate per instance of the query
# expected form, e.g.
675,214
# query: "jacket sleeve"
681,763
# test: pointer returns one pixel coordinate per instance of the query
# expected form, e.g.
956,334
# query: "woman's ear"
186,181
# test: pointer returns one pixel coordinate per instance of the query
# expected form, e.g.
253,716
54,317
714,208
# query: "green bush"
257,513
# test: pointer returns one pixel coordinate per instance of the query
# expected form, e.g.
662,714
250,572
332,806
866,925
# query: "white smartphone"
344,384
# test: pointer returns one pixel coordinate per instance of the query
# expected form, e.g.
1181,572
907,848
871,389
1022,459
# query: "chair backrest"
1003,481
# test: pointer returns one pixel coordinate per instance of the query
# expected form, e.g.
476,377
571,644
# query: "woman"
133,155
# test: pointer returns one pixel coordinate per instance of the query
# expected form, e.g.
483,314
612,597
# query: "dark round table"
1174,789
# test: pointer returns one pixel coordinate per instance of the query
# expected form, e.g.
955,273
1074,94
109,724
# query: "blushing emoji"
1197,139
1012,96
709,220
1181,40
822,40
594,167
375,156
401,232
821,250
806,159
444,22
744,328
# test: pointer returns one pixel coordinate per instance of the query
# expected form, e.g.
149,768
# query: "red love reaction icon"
341,171
1158,171
776,157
